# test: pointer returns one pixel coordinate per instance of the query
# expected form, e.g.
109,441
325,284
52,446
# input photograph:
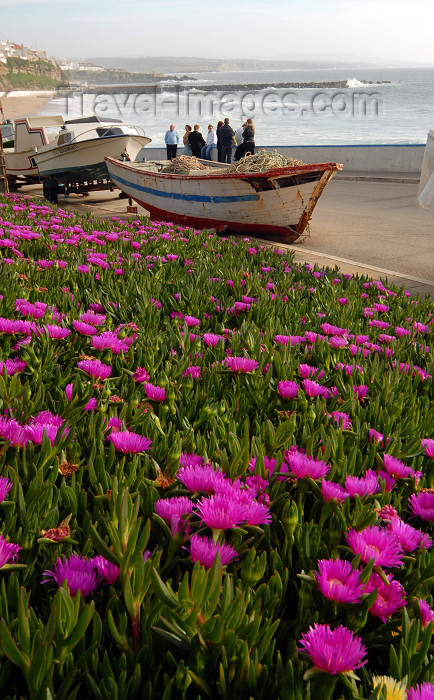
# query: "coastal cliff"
20,74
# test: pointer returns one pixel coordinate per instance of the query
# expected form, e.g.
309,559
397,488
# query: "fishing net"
182,164
262,161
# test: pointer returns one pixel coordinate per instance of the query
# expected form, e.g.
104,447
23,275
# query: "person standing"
239,141
210,143
196,141
171,139
249,138
226,138
186,150
219,145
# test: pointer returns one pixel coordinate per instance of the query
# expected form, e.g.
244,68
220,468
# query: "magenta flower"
256,513
48,418
362,486
79,573
288,390
303,466
190,460
106,570
428,446
333,651
173,511
390,598
141,375
376,543
422,504
5,487
220,512
128,442
84,328
11,431
108,340
204,550
200,478
360,391
425,691
192,371
35,432
57,332
313,389
375,435
8,551
426,613
333,330
12,366
241,364
338,342
396,468
333,492
212,339
8,325
409,537
308,371
338,581
154,393
342,419
390,481
191,321
95,368
93,319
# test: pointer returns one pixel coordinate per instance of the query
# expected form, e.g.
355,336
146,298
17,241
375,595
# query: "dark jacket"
226,135
249,134
196,141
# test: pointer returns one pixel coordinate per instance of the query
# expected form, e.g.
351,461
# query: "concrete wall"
406,158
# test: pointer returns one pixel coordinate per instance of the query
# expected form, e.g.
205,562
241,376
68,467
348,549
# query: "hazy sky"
395,31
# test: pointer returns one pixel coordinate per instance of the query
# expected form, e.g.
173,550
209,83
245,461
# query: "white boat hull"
83,161
279,201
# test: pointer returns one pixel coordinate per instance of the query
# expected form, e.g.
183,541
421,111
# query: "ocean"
376,106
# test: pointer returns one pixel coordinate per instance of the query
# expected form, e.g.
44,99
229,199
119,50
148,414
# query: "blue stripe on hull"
225,199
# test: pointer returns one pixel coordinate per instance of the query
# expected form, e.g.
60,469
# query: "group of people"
223,138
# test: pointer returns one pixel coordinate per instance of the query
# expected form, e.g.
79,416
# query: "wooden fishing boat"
278,201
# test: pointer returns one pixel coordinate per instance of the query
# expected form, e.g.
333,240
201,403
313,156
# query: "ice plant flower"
204,551
409,537
396,468
95,368
333,651
5,487
390,598
342,419
338,581
106,570
288,390
428,446
333,492
79,573
313,389
141,375
8,551
212,339
200,478
376,543
173,511
154,393
304,467
57,332
395,690
364,485
219,512
422,504
241,364
426,613
128,442
424,691
84,328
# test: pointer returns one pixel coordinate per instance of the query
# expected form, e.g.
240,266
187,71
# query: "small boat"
277,201
77,154
27,134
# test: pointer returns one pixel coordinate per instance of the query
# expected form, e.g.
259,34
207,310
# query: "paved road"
375,223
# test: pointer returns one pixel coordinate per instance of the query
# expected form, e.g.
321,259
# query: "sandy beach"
18,104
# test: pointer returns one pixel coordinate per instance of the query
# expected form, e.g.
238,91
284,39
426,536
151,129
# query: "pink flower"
409,537
93,319
314,389
338,581
362,486
12,366
422,504
338,342
128,442
212,339
333,651
193,371
220,513
333,330
5,487
204,551
141,375
84,328
192,321
241,364
360,391
333,492
303,466
428,446
307,371
424,691
95,368
342,419
8,551
376,543
375,435
190,460
390,598
106,570
288,390
426,613
79,573
200,478
57,332
155,393
396,468
174,510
